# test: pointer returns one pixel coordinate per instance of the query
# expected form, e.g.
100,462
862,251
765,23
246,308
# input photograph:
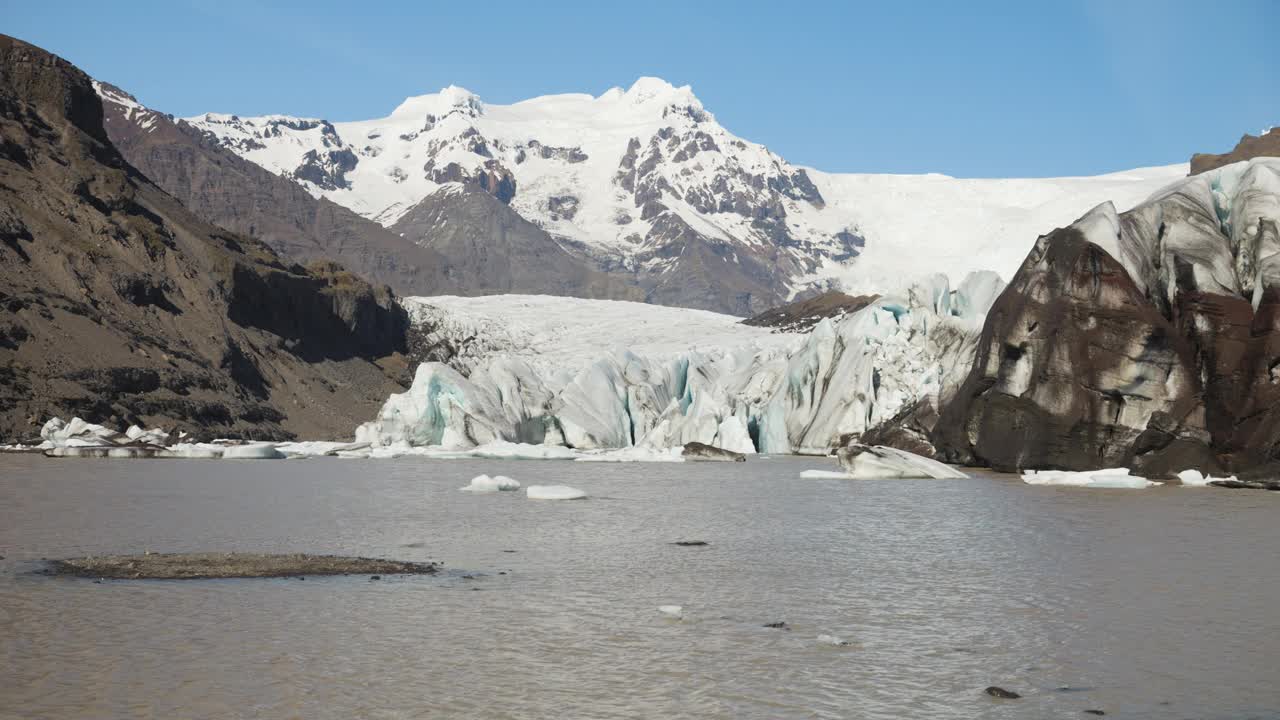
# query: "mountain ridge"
645,184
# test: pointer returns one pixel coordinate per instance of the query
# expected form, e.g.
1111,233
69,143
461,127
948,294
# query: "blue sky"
972,89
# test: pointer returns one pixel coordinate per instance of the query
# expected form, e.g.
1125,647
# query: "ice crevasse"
843,376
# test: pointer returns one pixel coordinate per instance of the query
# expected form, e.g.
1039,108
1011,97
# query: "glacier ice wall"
779,397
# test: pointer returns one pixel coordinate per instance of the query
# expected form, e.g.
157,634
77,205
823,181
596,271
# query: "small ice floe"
486,484
554,492
833,641
824,474
635,454
1194,478
1108,478
321,448
672,611
252,451
880,461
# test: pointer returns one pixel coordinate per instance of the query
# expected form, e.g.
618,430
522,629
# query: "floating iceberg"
486,484
833,641
1194,478
824,474
554,492
701,452
878,461
1109,478
254,451
673,611
320,448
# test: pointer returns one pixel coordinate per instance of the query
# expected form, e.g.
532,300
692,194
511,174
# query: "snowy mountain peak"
653,89
450,99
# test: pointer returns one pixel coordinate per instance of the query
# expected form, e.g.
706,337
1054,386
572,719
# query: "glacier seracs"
748,391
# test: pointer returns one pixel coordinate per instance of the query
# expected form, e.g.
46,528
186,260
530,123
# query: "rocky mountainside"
646,185
1249,147
488,249
119,305
1148,339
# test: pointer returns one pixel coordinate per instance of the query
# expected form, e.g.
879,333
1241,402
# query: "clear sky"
972,89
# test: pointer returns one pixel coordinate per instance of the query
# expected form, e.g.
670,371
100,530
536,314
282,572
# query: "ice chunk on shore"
77,433
554,492
824,474
1107,478
254,451
80,434
154,436
880,461
1194,478
486,484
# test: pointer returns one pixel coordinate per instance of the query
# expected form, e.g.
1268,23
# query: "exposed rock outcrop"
703,452
1249,147
488,248
119,306
803,314
1147,340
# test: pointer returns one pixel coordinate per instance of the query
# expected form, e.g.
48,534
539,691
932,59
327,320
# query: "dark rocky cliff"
119,305
1149,339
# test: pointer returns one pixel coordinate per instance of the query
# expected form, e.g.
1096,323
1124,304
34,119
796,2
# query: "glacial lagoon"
1155,603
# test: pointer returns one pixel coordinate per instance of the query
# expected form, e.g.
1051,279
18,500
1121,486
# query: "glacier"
568,380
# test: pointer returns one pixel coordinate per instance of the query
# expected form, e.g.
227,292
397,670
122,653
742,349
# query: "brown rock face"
1073,366
490,249
119,305
801,315
1149,340
1249,147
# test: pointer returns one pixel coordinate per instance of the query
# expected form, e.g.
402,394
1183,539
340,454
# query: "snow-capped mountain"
645,182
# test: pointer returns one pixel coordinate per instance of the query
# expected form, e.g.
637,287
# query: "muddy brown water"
1152,603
